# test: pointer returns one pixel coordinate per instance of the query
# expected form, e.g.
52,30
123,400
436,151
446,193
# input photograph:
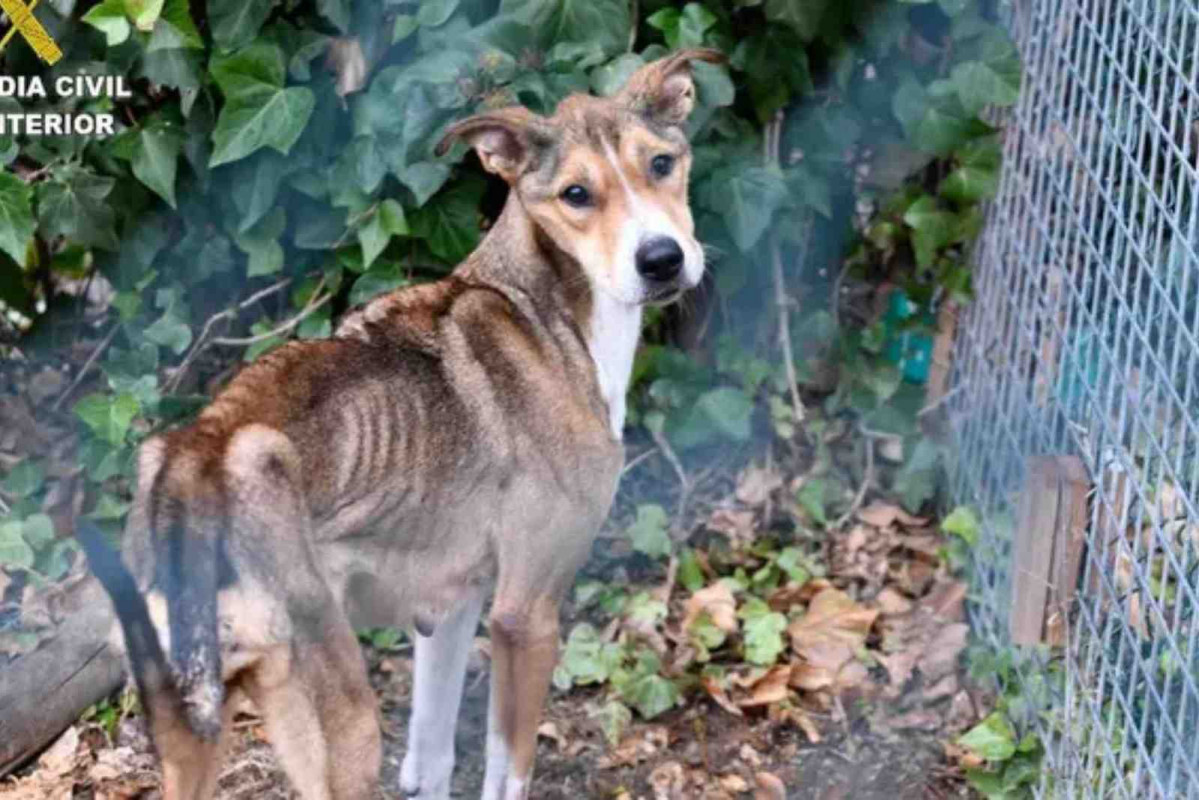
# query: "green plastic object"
911,350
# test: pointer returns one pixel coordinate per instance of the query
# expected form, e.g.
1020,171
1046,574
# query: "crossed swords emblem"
26,24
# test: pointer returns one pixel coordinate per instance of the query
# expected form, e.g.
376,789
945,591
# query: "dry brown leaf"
797,717
940,657
738,526
899,665
927,545
60,759
667,780
892,602
947,600
814,587
914,577
749,755
879,514
755,485
962,713
829,635
734,783
718,601
718,694
770,688
963,756
946,687
783,598
855,540
769,787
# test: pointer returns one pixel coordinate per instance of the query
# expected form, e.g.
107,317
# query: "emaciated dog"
450,439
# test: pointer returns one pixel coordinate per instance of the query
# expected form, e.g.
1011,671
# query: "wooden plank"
1047,551
1032,551
1074,487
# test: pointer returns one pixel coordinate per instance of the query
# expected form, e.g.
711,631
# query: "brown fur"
450,436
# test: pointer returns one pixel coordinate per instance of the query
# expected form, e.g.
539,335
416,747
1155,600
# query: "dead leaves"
718,603
827,639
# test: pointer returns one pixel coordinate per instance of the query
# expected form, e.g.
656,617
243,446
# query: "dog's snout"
659,259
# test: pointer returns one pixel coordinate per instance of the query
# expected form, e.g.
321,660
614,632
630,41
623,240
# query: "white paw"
426,778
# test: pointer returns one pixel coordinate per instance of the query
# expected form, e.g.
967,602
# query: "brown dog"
452,438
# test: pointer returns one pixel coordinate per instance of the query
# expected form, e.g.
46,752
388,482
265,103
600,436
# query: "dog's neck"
514,254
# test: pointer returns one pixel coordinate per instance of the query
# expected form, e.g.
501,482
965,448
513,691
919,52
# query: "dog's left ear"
505,140
663,90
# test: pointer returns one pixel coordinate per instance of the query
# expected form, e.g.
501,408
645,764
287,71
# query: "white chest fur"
615,330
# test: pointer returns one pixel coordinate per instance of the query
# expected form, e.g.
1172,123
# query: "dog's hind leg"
320,712
437,694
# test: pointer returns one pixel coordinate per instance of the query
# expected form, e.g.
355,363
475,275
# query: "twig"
87,366
773,136
867,479
638,459
201,342
312,306
668,451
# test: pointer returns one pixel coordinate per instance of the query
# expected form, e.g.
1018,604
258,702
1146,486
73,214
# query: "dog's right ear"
505,140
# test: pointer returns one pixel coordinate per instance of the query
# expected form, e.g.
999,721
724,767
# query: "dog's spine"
192,556
150,669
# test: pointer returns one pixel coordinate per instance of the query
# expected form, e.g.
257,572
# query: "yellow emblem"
23,21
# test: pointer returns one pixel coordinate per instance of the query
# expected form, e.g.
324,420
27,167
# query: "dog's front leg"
524,649
437,692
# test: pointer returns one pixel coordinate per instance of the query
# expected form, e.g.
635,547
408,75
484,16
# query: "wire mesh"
1084,341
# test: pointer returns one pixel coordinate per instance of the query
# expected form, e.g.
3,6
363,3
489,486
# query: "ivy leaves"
259,111
235,23
16,216
156,159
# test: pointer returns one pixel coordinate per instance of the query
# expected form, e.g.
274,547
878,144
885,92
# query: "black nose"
659,259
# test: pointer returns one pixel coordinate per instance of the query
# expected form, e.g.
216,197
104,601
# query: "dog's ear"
663,90
505,139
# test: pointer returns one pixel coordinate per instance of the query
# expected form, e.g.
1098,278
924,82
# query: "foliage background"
275,167
240,162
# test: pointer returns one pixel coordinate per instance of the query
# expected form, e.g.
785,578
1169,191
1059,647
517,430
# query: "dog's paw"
426,778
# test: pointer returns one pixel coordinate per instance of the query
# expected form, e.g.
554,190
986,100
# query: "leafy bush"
272,141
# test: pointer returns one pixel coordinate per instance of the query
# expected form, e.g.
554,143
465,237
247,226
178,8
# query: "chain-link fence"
1078,365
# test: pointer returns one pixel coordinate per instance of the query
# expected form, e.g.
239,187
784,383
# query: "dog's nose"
659,259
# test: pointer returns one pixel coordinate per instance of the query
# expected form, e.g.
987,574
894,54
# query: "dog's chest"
615,330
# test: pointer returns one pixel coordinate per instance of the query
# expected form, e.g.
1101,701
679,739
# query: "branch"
313,305
773,135
867,478
87,366
201,342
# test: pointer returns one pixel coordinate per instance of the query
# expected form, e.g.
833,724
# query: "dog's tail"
190,681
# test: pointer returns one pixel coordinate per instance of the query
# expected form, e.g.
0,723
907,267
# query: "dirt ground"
882,729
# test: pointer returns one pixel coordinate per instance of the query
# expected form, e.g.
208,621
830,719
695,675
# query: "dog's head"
605,179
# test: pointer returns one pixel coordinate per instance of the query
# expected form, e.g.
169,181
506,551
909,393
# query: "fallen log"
43,692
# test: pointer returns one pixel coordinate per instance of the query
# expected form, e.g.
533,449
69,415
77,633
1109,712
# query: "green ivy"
243,159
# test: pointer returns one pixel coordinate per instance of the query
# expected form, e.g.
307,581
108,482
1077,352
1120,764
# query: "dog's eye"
662,165
576,195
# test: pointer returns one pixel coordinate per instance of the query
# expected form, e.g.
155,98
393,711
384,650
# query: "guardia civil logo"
24,23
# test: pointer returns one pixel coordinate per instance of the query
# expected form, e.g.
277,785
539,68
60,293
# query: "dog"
450,439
